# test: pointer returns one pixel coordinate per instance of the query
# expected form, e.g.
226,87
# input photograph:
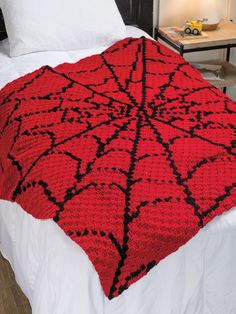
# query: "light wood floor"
12,300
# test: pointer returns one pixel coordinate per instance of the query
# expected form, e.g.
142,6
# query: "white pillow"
42,25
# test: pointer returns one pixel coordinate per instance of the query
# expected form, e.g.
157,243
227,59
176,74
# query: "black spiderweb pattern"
130,152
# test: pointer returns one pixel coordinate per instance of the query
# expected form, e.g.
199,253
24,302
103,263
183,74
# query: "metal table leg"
227,59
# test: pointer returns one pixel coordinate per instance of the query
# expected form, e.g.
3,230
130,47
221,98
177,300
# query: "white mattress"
57,277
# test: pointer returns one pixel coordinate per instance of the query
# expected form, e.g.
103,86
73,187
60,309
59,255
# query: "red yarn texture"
130,152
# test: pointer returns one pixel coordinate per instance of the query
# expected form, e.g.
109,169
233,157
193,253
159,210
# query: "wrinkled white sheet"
57,277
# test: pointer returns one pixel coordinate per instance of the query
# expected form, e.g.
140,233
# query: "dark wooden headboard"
138,13
3,33
134,12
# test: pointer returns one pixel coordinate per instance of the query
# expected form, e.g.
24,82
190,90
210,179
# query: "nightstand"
222,38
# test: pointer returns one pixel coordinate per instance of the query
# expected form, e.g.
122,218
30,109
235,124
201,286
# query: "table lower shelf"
230,74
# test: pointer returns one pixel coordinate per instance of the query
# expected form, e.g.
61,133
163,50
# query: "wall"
175,12
232,92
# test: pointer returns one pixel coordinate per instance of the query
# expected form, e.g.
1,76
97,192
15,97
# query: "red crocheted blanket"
130,152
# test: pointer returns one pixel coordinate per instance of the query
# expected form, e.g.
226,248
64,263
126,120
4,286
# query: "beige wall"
174,12
232,92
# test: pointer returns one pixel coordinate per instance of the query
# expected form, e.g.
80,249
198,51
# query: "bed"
57,276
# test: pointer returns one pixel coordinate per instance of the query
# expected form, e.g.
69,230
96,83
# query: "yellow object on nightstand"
193,27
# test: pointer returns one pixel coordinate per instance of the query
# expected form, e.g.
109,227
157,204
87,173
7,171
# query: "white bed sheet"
57,277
